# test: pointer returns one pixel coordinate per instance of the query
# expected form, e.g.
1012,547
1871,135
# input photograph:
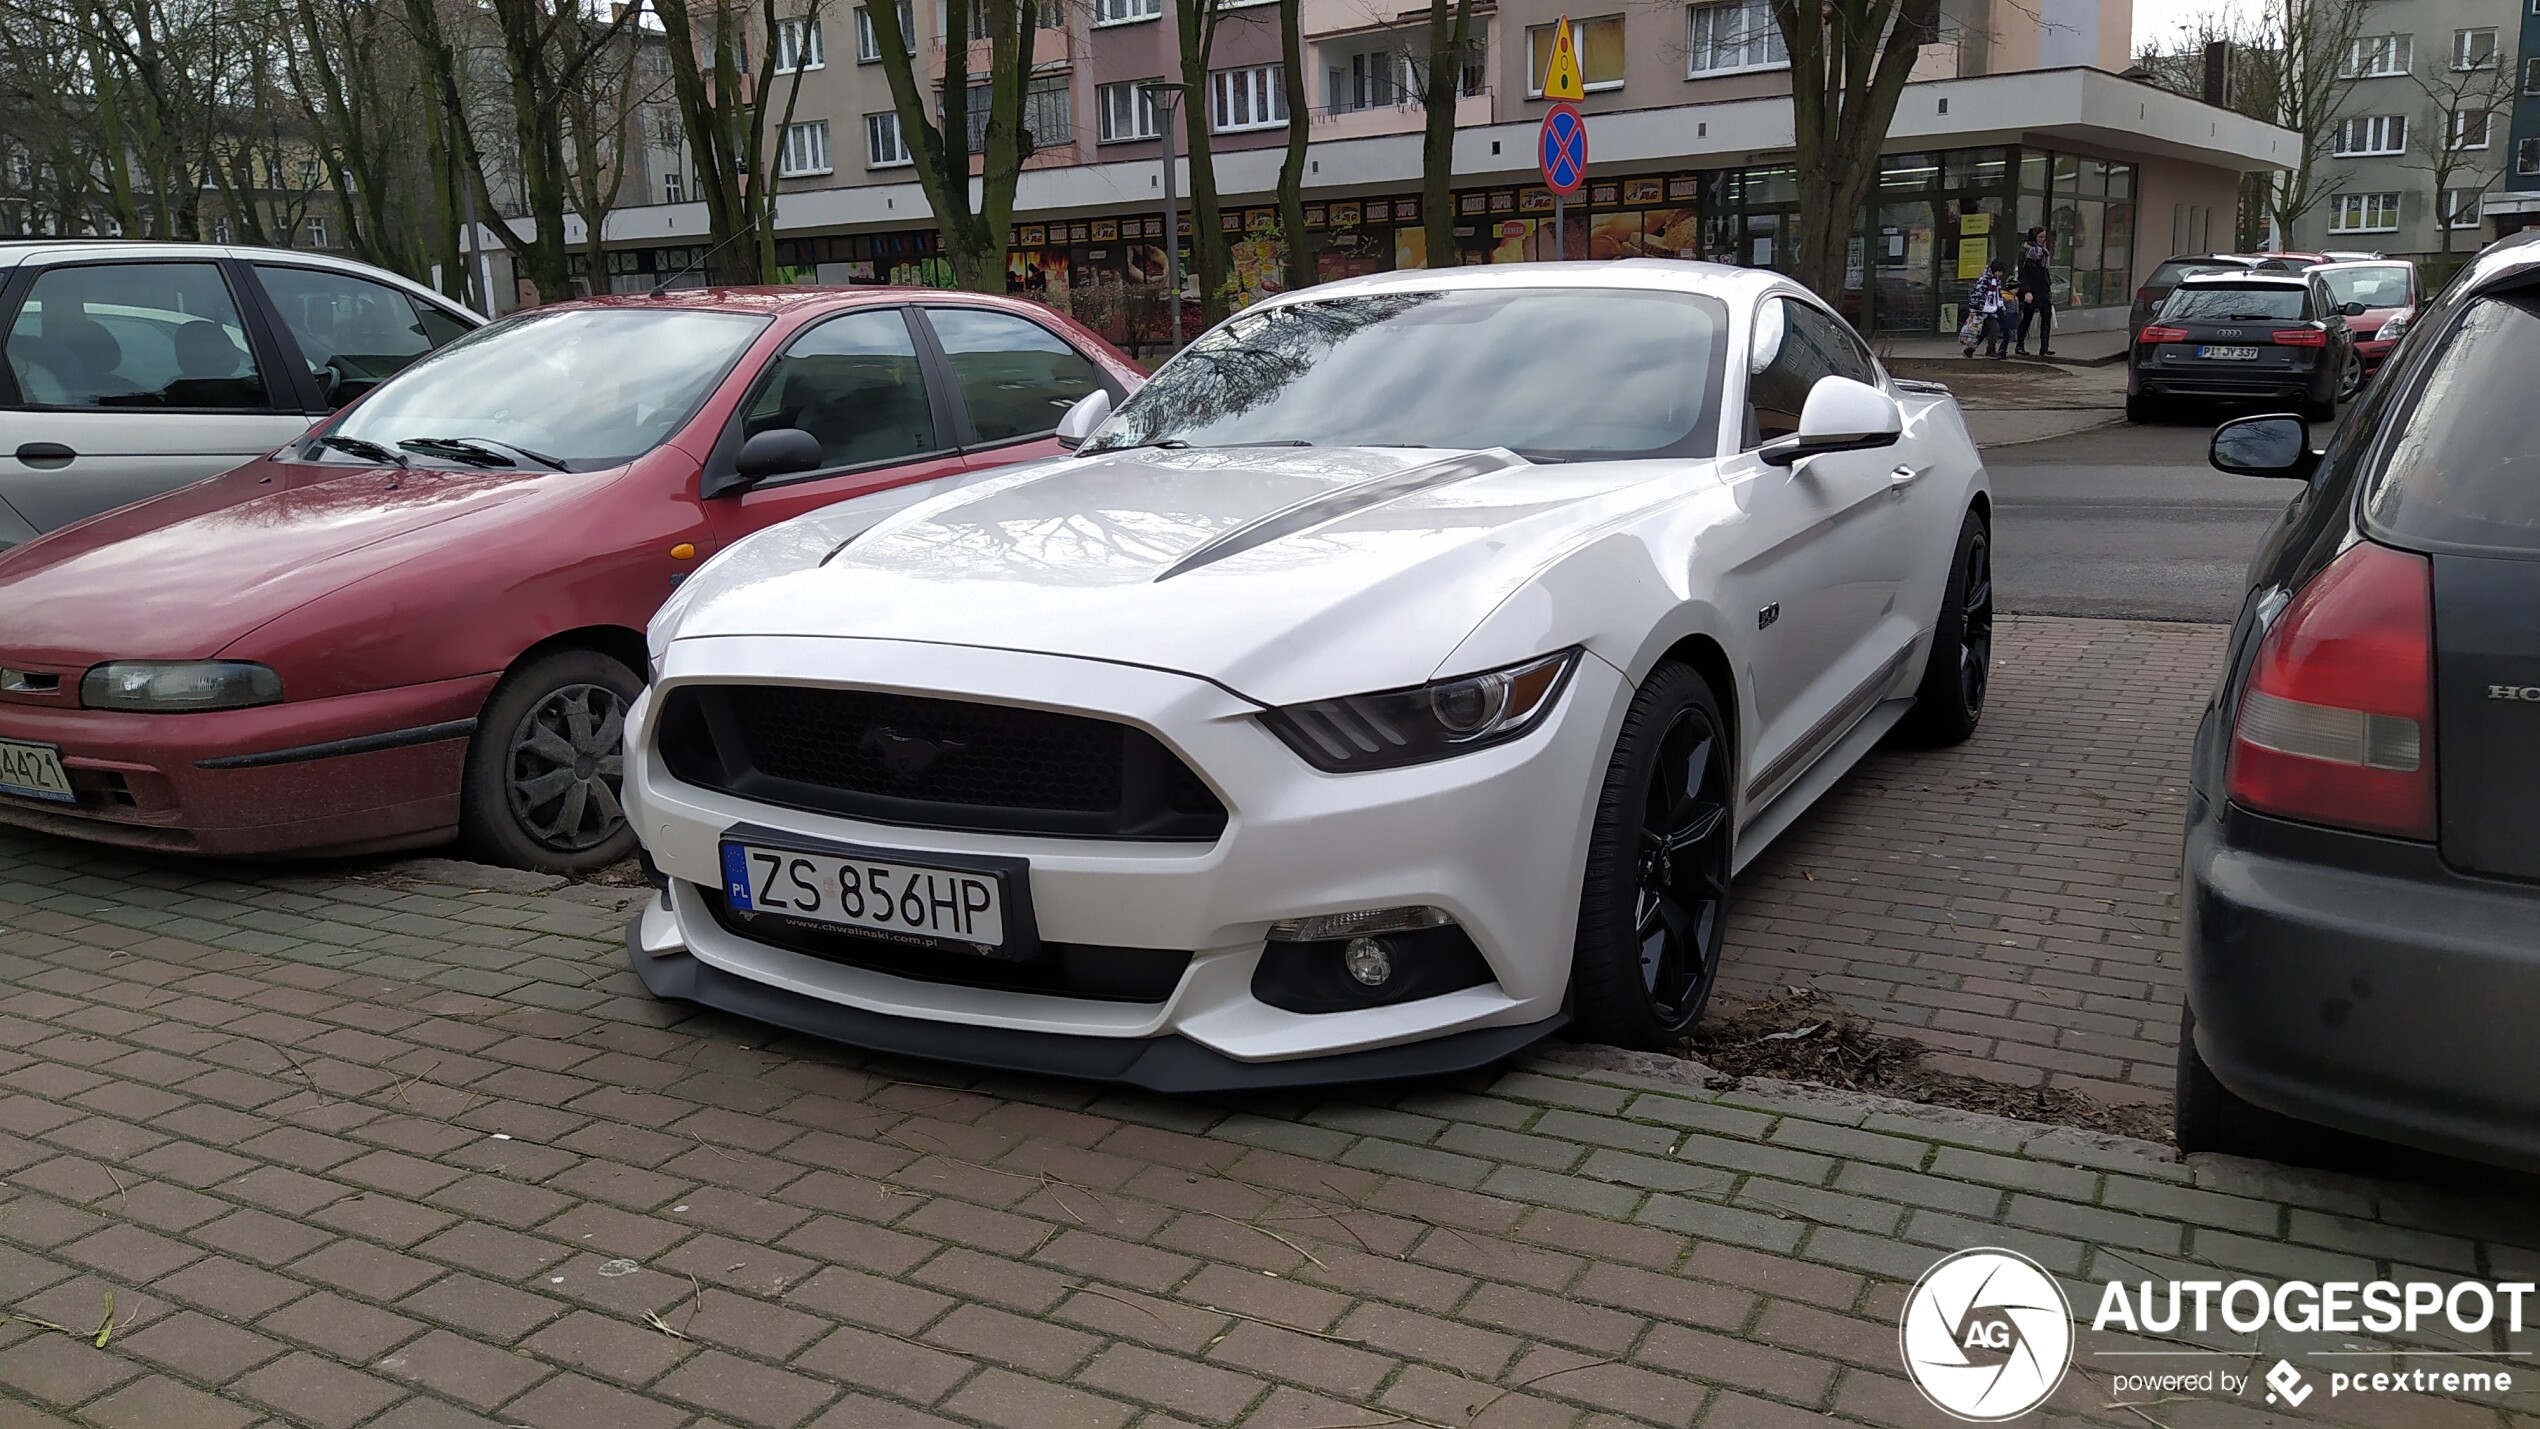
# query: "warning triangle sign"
1561,77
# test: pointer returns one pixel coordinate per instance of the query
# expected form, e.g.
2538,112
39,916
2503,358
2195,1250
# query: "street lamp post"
1167,95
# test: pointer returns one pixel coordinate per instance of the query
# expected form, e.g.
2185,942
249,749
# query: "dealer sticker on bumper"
956,905
35,771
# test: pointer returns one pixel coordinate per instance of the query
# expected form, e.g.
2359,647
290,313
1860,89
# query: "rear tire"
1949,702
2212,1117
1655,900
540,787
2144,411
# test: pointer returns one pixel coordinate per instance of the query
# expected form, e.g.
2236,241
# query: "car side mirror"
1841,415
2352,310
778,451
2264,446
1089,413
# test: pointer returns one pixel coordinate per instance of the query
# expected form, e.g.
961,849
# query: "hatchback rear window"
2462,471
2168,274
2234,304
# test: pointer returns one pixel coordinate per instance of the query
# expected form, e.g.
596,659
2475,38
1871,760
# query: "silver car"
133,368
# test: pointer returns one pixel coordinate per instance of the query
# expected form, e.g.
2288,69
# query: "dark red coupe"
425,619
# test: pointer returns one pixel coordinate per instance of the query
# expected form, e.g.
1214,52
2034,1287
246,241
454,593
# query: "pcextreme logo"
1987,1335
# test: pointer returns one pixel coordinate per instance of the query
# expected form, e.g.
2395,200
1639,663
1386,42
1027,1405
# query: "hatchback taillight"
2337,724
2154,332
2300,337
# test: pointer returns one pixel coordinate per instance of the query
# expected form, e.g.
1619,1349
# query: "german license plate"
33,770
2229,354
957,905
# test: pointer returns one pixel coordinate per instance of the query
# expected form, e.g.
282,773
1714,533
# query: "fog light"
1367,961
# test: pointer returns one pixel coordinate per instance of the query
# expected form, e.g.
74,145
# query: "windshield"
2234,304
1552,374
588,387
2462,471
2384,285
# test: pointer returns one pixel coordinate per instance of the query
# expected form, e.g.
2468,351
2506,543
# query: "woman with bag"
2037,292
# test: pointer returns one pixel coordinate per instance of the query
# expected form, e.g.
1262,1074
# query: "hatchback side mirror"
2352,310
1841,415
1089,413
778,451
2264,446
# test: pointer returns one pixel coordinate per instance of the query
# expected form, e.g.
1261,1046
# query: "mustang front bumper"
1495,839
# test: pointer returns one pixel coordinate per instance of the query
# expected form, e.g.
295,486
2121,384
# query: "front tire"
2350,380
1950,701
1655,901
540,788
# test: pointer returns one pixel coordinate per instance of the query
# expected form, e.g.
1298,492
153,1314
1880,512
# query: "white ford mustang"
1396,679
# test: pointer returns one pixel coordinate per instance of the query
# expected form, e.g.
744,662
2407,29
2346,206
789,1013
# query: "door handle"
45,455
1905,475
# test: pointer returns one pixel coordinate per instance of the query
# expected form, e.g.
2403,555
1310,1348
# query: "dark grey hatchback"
2361,877
2278,336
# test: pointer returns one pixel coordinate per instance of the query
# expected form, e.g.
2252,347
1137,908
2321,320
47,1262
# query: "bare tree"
359,78
1195,24
974,235
1849,60
1299,260
722,96
2464,95
2312,44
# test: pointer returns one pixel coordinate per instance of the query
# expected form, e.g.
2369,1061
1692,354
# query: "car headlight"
1432,721
173,685
2394,329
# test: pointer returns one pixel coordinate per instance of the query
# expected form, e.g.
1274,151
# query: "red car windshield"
2383,285
578,388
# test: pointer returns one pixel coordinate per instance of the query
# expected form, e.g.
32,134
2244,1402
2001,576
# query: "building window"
2460,208
805,150
868,43
317,233
798,46
1254,97
2474,49
2363,213
1600,46
1127,111
2373,134
884,148
1047,116
980,27
2527,153
1734,36
2531,72
2470,129
1122,12
2377,56
671,189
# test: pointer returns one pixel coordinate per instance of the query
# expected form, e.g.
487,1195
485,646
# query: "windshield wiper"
479,451
1180,444
367,451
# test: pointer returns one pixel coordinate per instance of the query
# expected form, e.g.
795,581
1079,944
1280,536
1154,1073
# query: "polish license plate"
33,771
2229,354
910,900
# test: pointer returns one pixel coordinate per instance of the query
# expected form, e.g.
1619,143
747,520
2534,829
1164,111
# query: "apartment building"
2424,134
2017,115
2515,204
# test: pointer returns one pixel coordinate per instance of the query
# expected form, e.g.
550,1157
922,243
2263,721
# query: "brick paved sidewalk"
2012,902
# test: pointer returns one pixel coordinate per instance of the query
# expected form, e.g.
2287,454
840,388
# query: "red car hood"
183,575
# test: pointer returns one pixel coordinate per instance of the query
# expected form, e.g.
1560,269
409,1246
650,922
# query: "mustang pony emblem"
905,756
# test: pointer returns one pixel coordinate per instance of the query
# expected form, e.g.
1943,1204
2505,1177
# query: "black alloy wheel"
1654,905
543,771
2350,380
1949,702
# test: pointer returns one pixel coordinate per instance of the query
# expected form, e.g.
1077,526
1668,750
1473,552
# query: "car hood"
183,575
1262,569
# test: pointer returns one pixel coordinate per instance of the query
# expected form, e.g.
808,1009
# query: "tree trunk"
1298,258
1849,60
1198,26
1450,33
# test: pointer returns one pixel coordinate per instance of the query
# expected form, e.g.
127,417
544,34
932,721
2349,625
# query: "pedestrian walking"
1989,319
2036,290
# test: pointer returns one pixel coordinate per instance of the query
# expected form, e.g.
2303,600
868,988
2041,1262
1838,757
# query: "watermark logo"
2286,1381
1987,1335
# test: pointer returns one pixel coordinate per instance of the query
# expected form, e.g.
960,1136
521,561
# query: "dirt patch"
1805,1036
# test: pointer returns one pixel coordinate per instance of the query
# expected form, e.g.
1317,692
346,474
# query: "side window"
1018,377
354,333
1790,355
439,328
134,335
853,382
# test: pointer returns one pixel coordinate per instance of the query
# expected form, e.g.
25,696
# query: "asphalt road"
2126,522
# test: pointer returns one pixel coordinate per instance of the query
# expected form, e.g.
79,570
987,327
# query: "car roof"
1654,275
769,301
17,251
2209,258
2246,280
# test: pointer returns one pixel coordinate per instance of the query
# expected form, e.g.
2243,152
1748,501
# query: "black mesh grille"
1085,970
935,763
